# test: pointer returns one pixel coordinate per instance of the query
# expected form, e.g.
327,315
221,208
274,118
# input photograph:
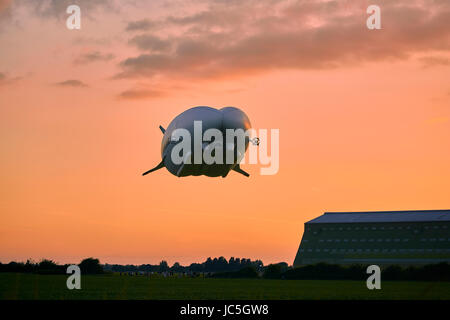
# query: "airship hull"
210,118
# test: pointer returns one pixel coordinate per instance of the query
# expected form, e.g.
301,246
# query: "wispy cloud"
433,61
224,40
138,94
151,43
4,5
93,56
5,79
72,83
140,25
5,13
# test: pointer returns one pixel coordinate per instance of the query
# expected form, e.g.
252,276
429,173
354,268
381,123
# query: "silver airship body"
211,118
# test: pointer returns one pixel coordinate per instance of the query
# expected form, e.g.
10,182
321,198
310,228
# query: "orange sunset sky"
364,120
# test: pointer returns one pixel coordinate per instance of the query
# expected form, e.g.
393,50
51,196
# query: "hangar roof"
383,216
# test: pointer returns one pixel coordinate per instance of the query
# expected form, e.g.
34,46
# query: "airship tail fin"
162,129
239,170
159,166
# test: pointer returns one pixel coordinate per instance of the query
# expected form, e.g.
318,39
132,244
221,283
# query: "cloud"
245,38
433,61
4,5
5,79
93,56
140,25
138,94
72,83
150,42
5,13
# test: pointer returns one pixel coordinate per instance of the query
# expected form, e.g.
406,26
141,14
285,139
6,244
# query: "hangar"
376,237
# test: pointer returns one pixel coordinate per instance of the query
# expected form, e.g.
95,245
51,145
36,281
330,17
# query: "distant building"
380,237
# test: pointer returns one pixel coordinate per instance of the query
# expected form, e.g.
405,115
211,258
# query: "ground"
33,286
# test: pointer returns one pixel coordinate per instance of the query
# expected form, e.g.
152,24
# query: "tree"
273,271
177,267
163,266
90,266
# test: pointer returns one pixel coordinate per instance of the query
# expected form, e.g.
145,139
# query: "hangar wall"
395,237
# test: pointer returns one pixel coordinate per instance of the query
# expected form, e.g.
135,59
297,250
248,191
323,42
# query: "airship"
209,118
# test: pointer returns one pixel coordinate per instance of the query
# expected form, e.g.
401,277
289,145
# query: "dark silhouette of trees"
246,272
275,271
43,267
163,266
177,268
49,267
219,264
245,268
91,266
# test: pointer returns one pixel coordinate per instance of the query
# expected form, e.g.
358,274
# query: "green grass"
33,286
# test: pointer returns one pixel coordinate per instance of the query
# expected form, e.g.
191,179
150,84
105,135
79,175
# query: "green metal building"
376,237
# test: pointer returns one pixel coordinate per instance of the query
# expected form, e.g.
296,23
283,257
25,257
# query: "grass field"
33,286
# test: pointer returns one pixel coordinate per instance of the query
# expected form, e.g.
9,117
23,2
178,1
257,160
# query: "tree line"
324,271
245,268
46,266
220,264
93,266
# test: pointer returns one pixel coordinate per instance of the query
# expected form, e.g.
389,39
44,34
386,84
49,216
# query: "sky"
363,116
